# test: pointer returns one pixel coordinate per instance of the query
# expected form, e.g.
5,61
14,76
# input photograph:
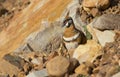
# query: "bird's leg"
65,51
60,51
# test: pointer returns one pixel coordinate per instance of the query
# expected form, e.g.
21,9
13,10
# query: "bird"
72,37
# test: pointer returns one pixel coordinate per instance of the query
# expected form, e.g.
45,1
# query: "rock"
18,62
15,5
58,66
15,60
40,73
73,75
107,64
21,74
87,52
101,4
107,22
7,68
83,15
5,75
113,9
95,12
2,0
82,69
27,67
2,10
116,75
37,61
47,40
23,48
73,64
87,10
106,70
112,70
100,36
119,62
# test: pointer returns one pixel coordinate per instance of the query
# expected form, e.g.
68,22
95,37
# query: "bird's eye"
67,22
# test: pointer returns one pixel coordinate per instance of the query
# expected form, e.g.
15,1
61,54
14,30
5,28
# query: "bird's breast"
72,42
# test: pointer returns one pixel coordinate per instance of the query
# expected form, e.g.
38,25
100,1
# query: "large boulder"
87,52
46,40
107,22
58,66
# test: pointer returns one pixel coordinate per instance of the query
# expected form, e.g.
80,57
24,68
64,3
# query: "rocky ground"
8,9
99,57
114,8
